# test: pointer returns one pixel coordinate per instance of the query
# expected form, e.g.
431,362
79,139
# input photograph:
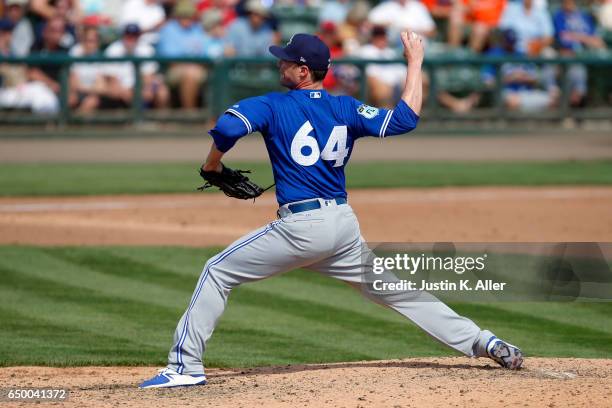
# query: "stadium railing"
234,78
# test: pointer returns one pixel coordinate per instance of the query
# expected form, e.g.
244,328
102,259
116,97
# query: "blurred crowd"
244,28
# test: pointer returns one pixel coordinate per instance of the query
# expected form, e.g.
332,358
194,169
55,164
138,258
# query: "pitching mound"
422,382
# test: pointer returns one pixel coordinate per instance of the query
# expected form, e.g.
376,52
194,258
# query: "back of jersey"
310,137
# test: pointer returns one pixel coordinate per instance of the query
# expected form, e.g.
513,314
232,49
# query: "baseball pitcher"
310,136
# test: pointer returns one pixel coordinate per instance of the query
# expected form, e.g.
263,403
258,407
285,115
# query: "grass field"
100,178
119,306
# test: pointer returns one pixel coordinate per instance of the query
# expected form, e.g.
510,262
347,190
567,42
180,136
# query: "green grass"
138,178
119,306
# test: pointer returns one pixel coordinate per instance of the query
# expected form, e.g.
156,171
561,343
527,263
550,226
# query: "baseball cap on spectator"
16,2
184,9
93,20
212,18
131,29
6,25
328,27
256,7
304,49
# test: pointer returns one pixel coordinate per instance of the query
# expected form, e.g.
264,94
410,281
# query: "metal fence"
235,78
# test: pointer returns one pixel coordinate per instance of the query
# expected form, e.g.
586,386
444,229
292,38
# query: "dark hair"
379,31
318,74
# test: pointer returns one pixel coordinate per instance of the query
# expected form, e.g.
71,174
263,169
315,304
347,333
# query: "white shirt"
390,74
87,73
413,15
146,15
124,71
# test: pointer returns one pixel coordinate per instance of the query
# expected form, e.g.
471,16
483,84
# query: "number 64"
335,148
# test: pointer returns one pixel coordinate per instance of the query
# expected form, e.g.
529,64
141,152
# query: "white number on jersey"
337,140
335,149
303,139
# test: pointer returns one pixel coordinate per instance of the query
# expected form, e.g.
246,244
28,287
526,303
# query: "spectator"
334,11
340,79
575,32
439,9
250,36
47,9
23,33
532,25
227,8
62,9
15,91
402,15
483,15
11,75
50,44
121,76
328,33
356,29
182,36
149,15
215,45
6,31
385,81
89,88
521,90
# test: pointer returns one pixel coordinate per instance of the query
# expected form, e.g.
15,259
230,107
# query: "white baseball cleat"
167,378
505,354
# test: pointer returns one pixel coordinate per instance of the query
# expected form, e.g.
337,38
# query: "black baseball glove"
232,182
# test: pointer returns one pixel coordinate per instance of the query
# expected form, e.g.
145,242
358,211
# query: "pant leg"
425,310
278,247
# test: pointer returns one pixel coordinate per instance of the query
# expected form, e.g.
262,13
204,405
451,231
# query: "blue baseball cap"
304,49
509,36
131,29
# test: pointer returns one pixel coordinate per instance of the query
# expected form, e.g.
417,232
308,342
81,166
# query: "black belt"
312,205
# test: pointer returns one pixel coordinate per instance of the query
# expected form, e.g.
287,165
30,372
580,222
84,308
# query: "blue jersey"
310,137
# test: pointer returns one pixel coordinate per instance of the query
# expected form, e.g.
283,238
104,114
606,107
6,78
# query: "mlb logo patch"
315,95
368,111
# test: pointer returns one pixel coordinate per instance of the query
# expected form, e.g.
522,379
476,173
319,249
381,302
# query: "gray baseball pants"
325,240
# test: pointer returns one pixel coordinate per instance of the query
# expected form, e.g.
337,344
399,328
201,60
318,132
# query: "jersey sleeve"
228,130
256,113
368,120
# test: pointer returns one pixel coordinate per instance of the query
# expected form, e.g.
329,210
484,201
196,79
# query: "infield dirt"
421,382
488,214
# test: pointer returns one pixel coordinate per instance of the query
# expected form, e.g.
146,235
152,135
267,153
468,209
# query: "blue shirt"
177,41
309,136
533,25
248,42
214,47
573,22
488,72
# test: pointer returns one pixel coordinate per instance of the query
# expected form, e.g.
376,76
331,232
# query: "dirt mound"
422,382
